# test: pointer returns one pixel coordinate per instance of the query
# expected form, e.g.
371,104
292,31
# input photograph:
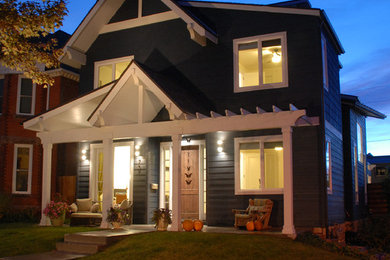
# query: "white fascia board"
189,20
29,124
75,55
269,120
137,73
137,22
256,8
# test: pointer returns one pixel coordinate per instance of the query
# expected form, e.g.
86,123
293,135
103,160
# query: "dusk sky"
363,29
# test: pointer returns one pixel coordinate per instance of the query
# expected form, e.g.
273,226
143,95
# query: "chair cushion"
84,204
86,215
95,208
125,204
73,208
254,209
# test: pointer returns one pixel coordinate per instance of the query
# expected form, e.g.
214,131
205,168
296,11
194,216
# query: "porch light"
136,153
137,147
83,151
219,142
84,157
220,149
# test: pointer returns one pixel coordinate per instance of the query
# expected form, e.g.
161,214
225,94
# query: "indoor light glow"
121,167
278,148
276,57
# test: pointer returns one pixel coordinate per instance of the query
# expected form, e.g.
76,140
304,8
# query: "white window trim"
359,128
324,51
32,98
97,64
260,38
2,97
330,188
16,146
237,180
356,175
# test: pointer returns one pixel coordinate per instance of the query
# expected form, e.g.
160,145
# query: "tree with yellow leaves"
25,44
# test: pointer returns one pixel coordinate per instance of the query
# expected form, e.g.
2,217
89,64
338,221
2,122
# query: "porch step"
87,249
82,239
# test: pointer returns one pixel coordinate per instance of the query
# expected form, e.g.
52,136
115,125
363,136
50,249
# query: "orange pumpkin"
188,225
198,225
250,226
258,225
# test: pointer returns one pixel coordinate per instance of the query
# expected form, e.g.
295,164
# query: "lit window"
260,62
26,96
359,138
259,165
109,70
1,92
324,63
328,163
21,181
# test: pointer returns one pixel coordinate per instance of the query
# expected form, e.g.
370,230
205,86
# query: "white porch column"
108,179
288,195
176,183
46,180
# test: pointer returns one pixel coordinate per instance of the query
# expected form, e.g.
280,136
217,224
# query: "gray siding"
153,170
82,189
140,184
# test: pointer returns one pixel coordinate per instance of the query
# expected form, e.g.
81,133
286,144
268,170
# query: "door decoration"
188,174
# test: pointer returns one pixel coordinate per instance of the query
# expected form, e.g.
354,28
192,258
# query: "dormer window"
260,62
107,71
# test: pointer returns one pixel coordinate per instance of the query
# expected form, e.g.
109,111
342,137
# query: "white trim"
237,180
140,21
30,124
324,52
329,171
251,7
64,73
46,180
30,160
139,8
189,20
268,120
356,175
112,62
359,130
75,55
176,183
19,96
134,71
259,39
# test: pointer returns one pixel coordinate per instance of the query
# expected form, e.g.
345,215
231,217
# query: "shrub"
26,215
374,233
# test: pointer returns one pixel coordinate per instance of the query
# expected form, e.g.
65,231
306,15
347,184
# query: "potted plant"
114,216
56,211
162,217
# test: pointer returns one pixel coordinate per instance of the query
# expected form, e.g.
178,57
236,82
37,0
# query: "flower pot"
162,225
116,225
58,222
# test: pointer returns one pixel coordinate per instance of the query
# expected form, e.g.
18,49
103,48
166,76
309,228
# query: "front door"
190,182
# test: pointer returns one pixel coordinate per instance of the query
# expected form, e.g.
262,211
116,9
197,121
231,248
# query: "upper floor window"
259,165
107,71
324,63
21,181
359,138
26,96
1,92
328,163
260,62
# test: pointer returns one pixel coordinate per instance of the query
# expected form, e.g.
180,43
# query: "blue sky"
363,29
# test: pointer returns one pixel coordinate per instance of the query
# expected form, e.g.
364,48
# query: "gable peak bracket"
195,36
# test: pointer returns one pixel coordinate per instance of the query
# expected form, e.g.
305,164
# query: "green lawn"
21,238
194,245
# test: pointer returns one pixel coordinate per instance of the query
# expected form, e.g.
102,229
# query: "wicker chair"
258,208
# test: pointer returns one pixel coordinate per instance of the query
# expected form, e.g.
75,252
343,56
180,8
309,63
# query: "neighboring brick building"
20,149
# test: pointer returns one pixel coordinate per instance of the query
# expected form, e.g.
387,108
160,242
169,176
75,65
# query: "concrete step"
77,248
83,239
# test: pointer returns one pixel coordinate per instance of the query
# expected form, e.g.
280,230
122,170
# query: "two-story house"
199,106
20,149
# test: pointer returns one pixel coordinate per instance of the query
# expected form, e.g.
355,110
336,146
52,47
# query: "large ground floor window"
258,165
21,180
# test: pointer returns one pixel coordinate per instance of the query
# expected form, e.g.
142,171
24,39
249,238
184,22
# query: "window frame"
324,50
260,38
2,96
356,174
360,145
237,180
329,171
112,62
19,97
30,164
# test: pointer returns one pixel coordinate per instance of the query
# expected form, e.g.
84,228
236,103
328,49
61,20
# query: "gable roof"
378,159
354,103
